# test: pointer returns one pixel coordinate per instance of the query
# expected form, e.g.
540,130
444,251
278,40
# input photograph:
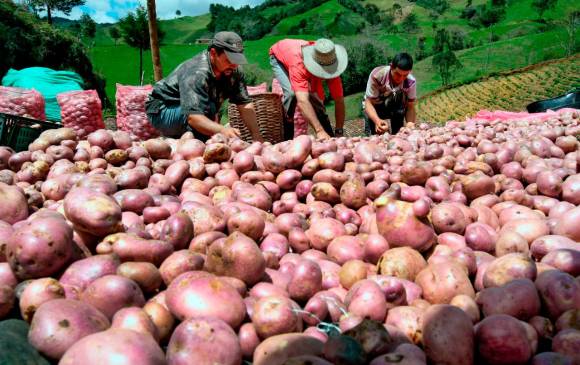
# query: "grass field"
523,41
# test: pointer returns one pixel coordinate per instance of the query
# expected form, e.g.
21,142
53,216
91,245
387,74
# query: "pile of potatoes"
456,244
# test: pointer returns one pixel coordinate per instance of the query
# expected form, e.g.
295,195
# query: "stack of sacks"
258,89
81,111
300,124
23,102
131,115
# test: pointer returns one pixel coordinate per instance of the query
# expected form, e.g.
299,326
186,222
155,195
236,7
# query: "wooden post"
154,41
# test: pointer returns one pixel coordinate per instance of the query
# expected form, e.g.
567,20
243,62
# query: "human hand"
383,126
322,135
231,132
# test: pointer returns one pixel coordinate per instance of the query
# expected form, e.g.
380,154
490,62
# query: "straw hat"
325,59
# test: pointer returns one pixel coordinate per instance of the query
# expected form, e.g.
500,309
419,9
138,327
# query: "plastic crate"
18,132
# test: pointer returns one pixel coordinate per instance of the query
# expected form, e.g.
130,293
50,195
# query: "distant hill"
518,40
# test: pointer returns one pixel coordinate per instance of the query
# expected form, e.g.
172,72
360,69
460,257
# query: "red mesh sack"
23,102
258,89
131,115
276,88
81,111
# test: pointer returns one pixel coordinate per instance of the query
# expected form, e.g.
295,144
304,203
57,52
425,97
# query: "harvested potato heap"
444,245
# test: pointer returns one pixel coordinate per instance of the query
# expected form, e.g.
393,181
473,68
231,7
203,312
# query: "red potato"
179,262
123,346
201,242
36,293
345,248
177,230
81,273
400,227
511,242
353,193
444,327
401,262
40,247
567,225
60,323
502,339
352,272
248,222
129,247
190,295
135,319
407,319
306,280
366,299
567,260
92,212
550,358
237,256
110,293
518,298
275,315
195,341
145,274
7,277
541,246
530,229
569,319
323,232
559,292
7,296
277,349
249,339
509,267
14,204
567,342
468,305
441,282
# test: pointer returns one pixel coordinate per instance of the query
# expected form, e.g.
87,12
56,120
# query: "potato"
441,282
249,223
275,315
60,323
277,349
14,204
509,267
306,280
177,230
190,295
179,262
36,293
518,298
366,299
400,227
543,245
444,327
92,212
39,247
550,358
567,260
145,274
502,339
135,319
237,256
511,242
353,193
130,247
567,342
402,262
559,292
344,248
112,292
408,320
323,232
195,341
123,346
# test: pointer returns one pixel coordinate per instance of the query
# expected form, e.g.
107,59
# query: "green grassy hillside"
520,39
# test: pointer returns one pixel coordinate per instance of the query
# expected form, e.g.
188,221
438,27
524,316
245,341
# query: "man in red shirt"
300,66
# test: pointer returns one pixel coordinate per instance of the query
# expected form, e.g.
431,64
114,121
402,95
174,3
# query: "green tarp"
46,81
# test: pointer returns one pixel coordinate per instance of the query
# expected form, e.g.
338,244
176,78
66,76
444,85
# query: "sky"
110,11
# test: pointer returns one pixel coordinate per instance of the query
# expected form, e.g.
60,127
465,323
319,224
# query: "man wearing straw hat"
190,98
300,66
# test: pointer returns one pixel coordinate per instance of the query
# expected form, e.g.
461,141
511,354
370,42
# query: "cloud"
109,11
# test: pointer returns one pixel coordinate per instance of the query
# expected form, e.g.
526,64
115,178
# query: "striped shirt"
379,86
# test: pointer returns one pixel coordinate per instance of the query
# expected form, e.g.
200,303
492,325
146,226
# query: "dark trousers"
289,102
393,109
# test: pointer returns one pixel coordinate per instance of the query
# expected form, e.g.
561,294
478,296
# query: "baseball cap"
232,44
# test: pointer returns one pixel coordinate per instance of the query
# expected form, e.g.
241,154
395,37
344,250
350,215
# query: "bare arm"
411,113
206,126
339,112
372,112
248,114
307,110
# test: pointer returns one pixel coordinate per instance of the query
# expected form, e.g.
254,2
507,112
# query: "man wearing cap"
390,96
300,66
190,98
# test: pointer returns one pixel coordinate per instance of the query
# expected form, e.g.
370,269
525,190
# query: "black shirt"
195,88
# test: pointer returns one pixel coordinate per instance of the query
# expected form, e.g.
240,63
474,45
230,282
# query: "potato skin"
277,349
502,339
443,281
518,298
444,327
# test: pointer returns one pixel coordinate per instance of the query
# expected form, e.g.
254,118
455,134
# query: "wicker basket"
269,116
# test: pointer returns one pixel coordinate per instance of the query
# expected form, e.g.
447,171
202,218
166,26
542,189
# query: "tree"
571,25
64,6
410,24
115,34
542,6
421,49
178,12
397,10
447,64
154,40
135,32
88,26
469,2
388,23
